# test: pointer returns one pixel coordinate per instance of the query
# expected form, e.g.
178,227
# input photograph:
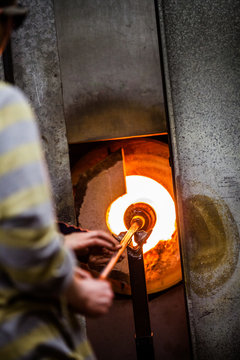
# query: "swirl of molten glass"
145,190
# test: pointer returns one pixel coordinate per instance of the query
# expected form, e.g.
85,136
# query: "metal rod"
144,336
124,242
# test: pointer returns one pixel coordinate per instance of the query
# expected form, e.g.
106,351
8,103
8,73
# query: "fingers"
101,258
103,235
77,241
105,288
97,260
104,240
81,273
104,300
81,241
91,297
104,244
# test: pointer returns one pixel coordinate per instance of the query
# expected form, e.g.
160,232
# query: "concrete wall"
37,73
202,68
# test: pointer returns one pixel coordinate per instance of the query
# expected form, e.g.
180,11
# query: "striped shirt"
35,267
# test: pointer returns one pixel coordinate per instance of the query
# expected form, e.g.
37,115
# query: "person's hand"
88,296
101,256
98,244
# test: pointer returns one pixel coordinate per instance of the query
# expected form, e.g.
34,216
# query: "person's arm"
32,255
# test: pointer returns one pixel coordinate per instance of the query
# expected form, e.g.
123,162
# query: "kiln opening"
101,199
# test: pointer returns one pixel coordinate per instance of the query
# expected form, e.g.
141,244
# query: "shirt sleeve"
32,254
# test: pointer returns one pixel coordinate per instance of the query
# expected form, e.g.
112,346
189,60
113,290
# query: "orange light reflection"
144,189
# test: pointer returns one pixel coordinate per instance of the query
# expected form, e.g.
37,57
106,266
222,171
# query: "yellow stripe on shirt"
23,200
13,113
20,156
25,237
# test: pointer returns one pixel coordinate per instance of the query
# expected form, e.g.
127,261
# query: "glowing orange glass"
147,190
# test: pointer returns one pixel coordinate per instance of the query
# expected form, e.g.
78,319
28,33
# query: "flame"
144,189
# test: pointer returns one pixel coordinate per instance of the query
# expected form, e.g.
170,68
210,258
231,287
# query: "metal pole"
144,336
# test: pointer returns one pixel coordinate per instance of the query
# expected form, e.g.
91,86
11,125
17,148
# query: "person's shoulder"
11,94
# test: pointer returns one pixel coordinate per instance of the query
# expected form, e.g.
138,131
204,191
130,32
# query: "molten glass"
141,189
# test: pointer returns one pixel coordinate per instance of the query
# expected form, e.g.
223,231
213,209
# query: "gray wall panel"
202,68
110,68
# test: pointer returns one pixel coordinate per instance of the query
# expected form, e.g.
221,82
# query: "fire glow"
146,190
